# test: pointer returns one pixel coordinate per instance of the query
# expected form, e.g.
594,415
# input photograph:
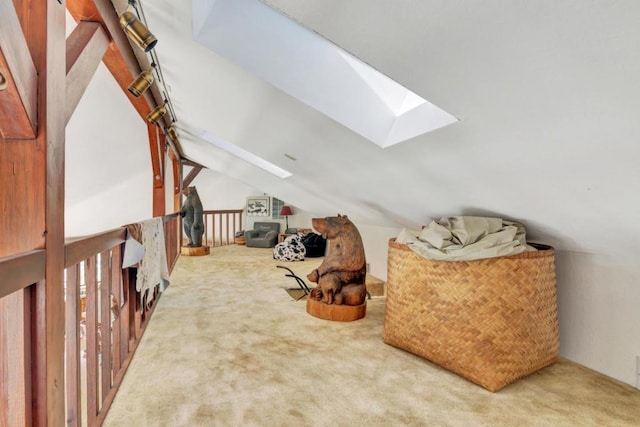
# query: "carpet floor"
228,346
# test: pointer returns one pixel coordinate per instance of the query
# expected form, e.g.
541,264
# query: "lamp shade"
137,31
156,114
3,81
173,133
286,211
141,83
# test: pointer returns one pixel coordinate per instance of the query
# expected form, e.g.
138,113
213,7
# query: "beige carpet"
227,346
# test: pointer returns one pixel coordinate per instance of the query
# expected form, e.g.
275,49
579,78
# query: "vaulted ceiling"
546,94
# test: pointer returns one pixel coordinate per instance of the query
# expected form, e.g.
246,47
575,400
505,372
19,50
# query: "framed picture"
258,206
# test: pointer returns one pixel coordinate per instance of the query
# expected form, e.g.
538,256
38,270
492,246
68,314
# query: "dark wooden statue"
341,276
192,217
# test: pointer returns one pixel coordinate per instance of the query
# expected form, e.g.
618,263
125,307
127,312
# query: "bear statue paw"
316,294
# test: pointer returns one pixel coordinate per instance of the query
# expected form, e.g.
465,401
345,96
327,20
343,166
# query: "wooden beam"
85,48
188,162
77,250
158,173
43,24
191,176
20,271
177,175
152,131
18,114
120,58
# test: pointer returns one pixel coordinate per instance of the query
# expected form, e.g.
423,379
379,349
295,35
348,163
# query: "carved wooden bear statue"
341,276
191,213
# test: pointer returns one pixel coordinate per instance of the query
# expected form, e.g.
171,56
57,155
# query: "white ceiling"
546,92
310,68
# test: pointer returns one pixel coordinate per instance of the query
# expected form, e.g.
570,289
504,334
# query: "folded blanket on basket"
465,238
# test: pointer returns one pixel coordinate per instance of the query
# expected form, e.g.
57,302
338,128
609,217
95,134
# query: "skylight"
314,70
244,154
398,98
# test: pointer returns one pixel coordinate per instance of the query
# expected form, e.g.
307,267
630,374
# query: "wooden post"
177,181
157,162
39,163
15,376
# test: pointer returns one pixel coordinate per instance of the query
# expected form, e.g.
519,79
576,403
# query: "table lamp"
285,212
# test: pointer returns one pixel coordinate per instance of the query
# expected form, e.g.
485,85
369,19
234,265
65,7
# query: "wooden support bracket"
18,101
85,48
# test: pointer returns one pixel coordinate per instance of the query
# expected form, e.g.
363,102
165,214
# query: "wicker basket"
491,321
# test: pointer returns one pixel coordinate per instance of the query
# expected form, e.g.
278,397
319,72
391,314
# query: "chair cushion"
263,235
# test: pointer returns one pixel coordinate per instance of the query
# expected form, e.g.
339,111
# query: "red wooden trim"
18,102
158,176
152,131
85,48
20,271
162,155
177,170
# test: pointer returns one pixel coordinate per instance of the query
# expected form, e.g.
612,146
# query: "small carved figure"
191,213
341,276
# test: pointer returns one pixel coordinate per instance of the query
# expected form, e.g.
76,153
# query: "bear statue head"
332,226
189,190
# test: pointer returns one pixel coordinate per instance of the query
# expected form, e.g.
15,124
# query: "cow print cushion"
291,249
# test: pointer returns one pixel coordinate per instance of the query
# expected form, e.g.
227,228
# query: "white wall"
599,311
219,191
108,175
598,304
376,246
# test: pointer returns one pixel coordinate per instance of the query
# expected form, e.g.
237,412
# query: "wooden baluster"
105,323
116,289
73,319
91,283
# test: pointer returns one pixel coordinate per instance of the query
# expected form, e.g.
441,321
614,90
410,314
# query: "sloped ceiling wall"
544,90
547,97
107,161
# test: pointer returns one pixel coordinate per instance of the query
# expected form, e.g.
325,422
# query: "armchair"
263,235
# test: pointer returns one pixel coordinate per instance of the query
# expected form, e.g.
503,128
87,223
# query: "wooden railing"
104,321
172,238
93,265
220,227
19,277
